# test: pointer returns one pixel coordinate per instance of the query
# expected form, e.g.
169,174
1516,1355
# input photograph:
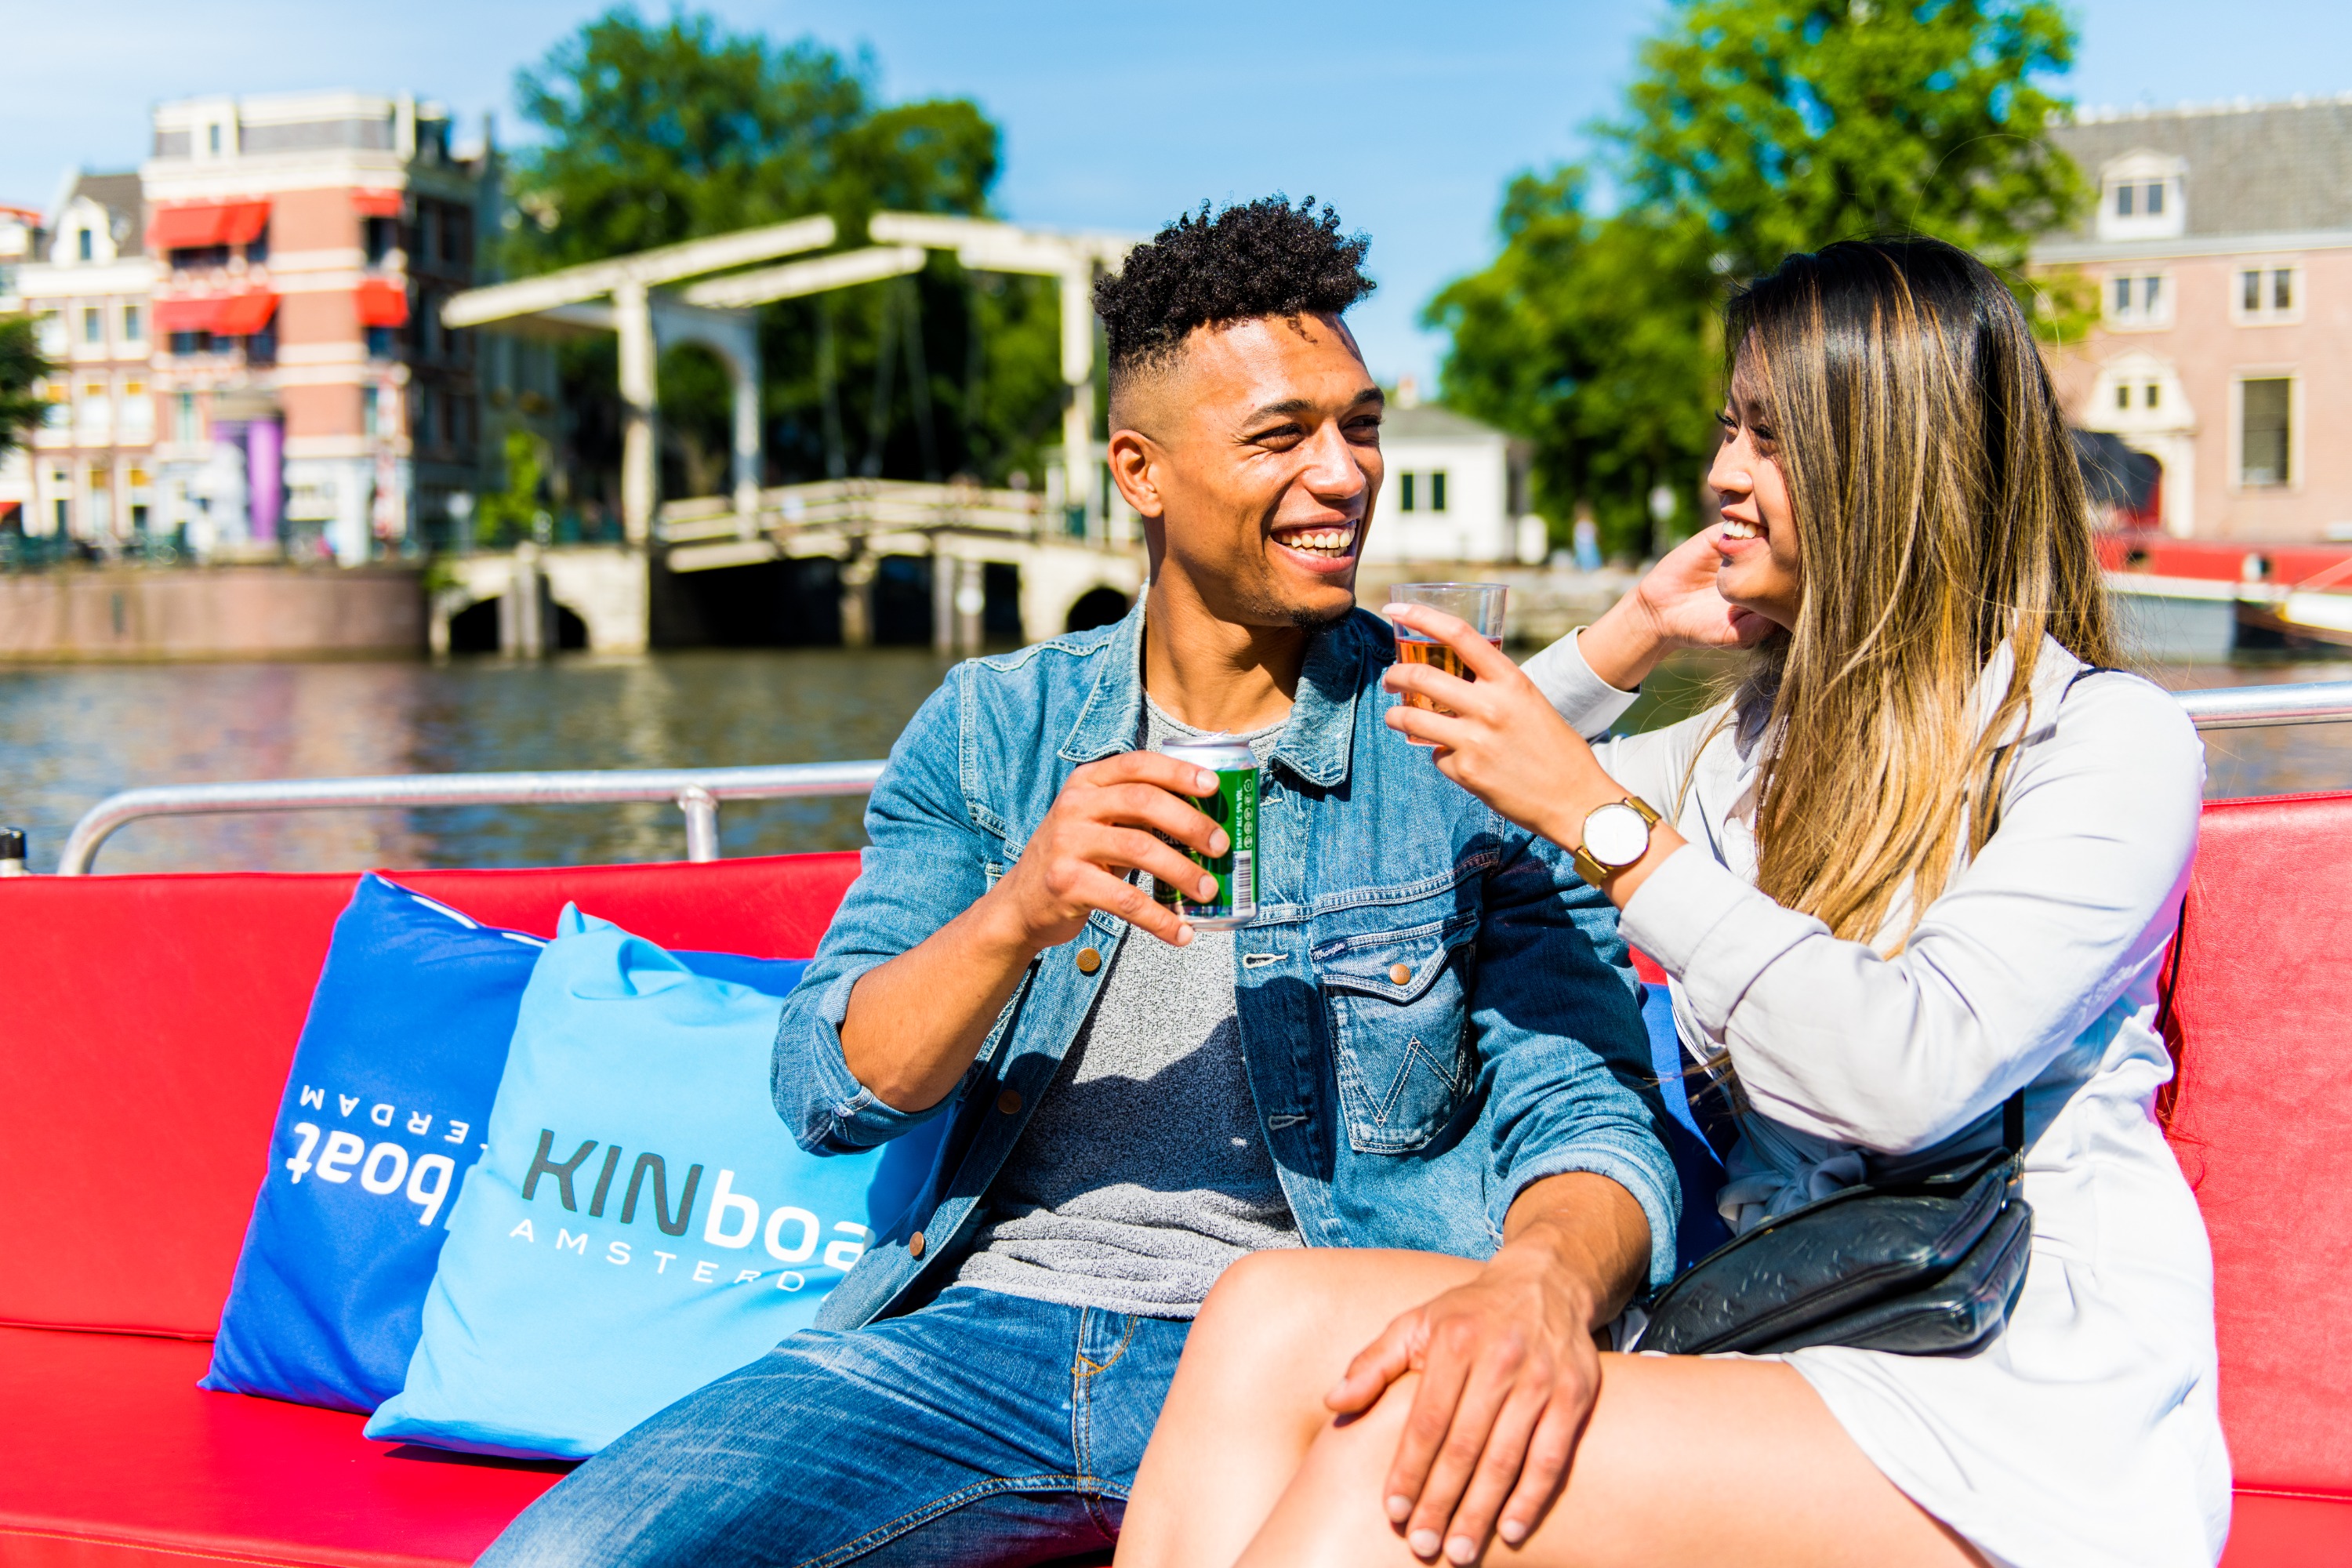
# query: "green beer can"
1233,807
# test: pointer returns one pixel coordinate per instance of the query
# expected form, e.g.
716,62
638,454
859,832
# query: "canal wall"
146,613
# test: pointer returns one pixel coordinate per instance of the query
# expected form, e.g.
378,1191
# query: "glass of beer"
1480,603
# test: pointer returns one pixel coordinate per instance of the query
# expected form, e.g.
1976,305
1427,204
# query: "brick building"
89,469
269,371
2220,243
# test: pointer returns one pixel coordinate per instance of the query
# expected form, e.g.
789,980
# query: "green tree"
22,370
660,131
1754,128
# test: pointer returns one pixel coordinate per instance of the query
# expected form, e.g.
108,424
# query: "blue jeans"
979,1430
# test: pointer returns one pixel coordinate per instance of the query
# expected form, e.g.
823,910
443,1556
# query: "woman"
1930,851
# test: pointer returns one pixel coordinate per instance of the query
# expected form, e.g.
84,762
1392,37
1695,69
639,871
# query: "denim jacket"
1404,1114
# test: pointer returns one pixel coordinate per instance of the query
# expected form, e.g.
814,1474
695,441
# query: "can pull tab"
12,852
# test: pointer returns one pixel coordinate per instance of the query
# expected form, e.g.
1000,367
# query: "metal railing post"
702,823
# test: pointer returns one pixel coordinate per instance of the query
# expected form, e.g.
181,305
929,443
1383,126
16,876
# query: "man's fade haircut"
1263,257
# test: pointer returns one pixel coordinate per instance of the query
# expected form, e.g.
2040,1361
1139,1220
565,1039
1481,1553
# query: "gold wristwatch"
1615,836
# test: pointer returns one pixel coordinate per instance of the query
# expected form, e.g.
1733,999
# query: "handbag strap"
2012,1123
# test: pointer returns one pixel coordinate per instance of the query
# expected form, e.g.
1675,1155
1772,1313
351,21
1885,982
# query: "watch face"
1616,835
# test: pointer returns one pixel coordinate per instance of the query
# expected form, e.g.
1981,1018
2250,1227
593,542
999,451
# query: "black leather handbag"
1928,1265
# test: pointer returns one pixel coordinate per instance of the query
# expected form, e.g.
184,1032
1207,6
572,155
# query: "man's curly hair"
1263,257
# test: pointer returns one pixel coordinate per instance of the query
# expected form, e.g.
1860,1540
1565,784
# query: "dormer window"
84,242
2141,197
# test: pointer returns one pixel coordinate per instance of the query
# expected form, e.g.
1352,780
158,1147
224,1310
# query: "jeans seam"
883,1534
1087,1367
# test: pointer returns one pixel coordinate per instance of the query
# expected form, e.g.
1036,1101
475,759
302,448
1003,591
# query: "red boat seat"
147,1037
142,1050
2261,1120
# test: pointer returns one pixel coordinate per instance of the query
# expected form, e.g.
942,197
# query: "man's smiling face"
1260,454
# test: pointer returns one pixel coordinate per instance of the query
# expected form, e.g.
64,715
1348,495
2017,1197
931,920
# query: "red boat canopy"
379,204
194,225
224,315
383,304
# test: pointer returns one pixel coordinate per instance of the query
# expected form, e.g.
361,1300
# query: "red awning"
383,304
198,315
242,315
194,225
379,204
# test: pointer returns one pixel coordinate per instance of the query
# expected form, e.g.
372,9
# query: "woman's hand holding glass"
1504,743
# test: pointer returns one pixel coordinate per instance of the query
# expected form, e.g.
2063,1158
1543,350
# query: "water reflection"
69,736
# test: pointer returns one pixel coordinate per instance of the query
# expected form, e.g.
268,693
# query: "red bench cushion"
161,1014
111,1455
2263,1127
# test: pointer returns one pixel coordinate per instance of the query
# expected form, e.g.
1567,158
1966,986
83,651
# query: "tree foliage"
1754,128
657,132
22,369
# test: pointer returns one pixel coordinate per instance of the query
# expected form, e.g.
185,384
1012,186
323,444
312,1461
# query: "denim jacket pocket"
1398,1003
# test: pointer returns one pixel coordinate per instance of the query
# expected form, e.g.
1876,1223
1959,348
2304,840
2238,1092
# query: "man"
1425,1037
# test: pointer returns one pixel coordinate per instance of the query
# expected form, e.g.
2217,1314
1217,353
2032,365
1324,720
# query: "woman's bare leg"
1684,1460
1247,1403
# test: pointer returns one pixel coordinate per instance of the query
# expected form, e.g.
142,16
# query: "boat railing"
698,792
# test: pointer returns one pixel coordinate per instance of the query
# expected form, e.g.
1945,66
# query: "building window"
379,236
50,331
84,245
1438,490
257,249
2123,394
93,325
370,405
131,324
2268,295
2150,395
2124,195
2264,436
191,342
1404,492
379,342
2156,200
183,419
190,258
213,140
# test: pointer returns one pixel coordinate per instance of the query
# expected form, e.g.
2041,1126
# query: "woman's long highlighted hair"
1939,513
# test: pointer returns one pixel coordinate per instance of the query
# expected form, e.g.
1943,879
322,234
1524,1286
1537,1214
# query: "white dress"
2088,1433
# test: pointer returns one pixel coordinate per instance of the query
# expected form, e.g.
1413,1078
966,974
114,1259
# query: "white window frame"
2138,318
2295,442
2267,314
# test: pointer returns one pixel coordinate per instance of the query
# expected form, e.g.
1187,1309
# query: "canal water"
72,735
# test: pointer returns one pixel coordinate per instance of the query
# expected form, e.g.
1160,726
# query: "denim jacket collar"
1317,744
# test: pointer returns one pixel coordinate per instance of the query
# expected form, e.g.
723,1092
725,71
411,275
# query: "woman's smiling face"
1755,544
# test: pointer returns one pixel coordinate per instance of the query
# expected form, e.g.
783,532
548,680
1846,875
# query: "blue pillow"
642,1222
384,1115
1696,1161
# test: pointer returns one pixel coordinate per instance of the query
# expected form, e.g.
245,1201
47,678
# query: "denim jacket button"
915,1244
1089,960
1400,973
1008,1102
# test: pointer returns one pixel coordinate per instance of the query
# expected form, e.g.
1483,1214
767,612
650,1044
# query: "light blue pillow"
642,1222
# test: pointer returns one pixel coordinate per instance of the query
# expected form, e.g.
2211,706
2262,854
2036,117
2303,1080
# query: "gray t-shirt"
1143,1173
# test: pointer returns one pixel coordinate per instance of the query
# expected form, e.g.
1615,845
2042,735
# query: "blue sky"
1408,118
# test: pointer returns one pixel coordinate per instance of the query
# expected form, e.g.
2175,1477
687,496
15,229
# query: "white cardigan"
2088,1433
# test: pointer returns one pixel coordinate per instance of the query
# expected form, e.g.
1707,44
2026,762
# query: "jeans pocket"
1398,1003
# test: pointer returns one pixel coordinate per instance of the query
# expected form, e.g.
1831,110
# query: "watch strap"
1594,871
